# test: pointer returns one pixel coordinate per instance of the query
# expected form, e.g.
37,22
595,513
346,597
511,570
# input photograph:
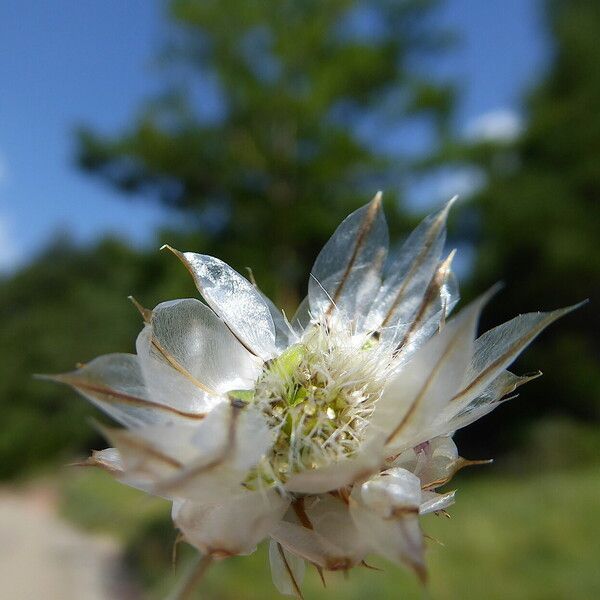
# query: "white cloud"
502,125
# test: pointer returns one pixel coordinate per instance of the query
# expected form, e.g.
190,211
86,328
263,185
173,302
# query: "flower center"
317,396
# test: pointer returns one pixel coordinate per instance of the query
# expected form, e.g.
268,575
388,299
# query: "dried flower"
331,433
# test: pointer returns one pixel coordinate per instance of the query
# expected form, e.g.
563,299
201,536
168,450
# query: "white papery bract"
329,434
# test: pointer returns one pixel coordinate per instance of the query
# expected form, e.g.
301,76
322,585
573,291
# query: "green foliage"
67,307
538,228
269,178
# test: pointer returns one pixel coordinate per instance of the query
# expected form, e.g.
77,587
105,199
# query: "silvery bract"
328,434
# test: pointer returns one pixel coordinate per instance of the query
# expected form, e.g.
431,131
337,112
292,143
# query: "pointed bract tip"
321,575
421,571
447,263
68,378
145,312
86,462
46,377
467,462
377,198
443,213
531,376
172,250
567,309
251,278
90,461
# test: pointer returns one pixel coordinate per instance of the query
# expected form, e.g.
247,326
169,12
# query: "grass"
509,537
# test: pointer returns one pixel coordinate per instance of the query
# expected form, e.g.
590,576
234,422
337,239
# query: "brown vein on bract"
519,345
365,564
289,571
459,464
186,263
365,228
443,497
418,567
436,482
377,267
433,232
145,312
298,507
443,315
179,368
93,461
502,395
431,293
111,395
419,397
550,318
402,511
228,448
136,443
321,575
341,494
178,539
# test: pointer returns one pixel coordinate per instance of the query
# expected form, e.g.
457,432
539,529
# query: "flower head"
330,433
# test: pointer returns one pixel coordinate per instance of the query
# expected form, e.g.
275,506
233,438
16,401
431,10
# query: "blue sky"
67,62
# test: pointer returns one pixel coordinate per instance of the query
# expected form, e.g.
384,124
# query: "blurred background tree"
536,226
262,180
269,175
275,123
55,313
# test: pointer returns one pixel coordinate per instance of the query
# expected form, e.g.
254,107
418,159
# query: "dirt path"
43,557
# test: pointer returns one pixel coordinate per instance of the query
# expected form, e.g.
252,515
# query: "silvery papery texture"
329,434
